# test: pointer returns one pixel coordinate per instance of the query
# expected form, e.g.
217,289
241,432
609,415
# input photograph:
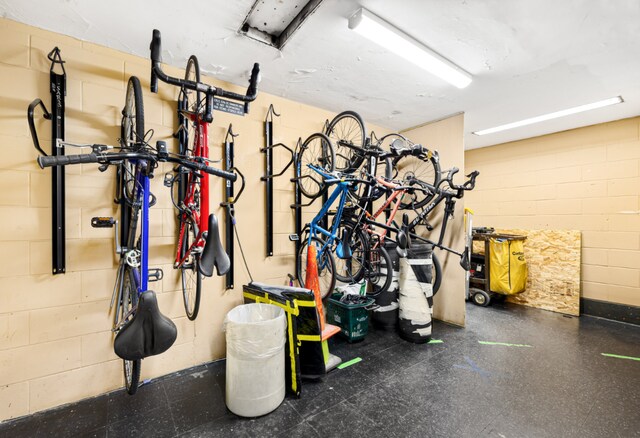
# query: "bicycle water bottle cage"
148,333
343,250
213,253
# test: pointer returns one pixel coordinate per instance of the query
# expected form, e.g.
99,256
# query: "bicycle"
141,329
351,247
360,218
197,250
347,132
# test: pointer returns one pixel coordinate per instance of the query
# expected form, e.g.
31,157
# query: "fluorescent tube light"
391,38
555,115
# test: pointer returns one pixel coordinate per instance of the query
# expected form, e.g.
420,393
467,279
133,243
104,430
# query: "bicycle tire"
190,277
349,127
380,268
326,269
188,103
424,168
129,299
345,270
131,133
437,274
317,150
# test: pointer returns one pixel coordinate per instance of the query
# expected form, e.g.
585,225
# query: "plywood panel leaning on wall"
553,261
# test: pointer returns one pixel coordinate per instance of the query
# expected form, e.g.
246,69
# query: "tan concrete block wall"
55,338
586,179
446,136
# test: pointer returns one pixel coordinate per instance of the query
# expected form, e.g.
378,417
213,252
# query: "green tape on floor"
620,357
504,344
349,363
435,341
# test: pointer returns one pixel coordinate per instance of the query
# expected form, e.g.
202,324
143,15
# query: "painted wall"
446,136
55,338
585,179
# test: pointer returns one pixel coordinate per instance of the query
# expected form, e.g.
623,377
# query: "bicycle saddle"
213,253
148,333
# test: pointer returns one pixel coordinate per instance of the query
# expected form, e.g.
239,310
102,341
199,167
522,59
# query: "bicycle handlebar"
108,158
210,91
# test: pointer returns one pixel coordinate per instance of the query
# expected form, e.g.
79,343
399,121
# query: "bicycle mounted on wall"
198,249
57,87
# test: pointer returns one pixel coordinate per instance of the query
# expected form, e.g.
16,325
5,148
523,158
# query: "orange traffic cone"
312,282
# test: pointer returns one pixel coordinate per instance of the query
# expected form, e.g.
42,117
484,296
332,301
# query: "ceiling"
527,57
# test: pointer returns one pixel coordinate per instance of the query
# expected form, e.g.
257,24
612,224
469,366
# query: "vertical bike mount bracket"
269,175
230,210
57,88
297,205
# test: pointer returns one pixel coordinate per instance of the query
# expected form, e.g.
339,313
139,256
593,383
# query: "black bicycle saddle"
213,253
148,333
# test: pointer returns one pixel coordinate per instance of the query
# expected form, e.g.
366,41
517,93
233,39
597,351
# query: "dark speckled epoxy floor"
561,386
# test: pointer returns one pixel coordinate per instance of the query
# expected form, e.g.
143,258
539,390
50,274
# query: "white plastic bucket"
255,380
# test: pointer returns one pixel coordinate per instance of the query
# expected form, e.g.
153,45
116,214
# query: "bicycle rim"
318,151
351,270
132,132
347,127
379,271
413,170
191,279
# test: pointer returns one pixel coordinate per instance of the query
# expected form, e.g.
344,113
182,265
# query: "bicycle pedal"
102,222
294,237
155,274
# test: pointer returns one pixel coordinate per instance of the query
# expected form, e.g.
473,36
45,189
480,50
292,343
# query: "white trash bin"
255,380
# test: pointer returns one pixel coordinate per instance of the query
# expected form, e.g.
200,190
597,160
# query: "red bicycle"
198,248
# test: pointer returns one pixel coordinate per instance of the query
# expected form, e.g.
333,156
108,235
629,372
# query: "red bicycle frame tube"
201,150
393,212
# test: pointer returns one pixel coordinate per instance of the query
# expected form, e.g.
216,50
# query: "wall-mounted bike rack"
269,175
228,196
297,205
58,83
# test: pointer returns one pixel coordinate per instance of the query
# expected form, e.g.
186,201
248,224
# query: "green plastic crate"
353,319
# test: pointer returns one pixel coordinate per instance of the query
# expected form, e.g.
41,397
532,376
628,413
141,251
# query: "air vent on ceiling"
273,22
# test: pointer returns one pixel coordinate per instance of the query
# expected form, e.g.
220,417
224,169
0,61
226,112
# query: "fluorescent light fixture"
391,38
557,114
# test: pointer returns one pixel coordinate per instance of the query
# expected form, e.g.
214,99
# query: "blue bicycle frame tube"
142,275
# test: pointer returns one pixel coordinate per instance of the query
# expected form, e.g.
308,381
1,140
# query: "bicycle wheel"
190,275
132,133
351,269
129,300
379,270
326,267
316,150
413,170
188,109
192,73
437,274
347,132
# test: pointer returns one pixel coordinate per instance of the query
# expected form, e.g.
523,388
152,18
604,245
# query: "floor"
551,381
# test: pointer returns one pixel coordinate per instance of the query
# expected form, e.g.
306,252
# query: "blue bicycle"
356,258
141,329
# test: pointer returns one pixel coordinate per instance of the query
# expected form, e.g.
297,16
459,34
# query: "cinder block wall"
55,338
585,179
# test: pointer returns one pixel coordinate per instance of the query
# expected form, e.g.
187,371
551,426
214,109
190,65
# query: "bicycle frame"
201,220
331,235
370,219
141,197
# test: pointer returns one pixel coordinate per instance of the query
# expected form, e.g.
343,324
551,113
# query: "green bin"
353,319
